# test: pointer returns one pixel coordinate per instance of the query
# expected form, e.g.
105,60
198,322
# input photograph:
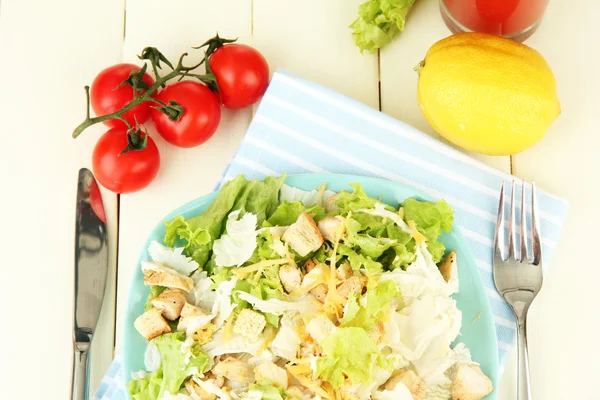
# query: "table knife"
91,267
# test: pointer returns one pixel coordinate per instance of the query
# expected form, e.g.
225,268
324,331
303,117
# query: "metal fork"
518,277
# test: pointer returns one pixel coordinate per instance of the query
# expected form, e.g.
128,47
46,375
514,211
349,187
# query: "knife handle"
79,390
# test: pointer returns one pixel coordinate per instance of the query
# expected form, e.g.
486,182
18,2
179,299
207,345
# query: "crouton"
320,292
151,324
331,228
170,302
249,324
158,274
470,383
290,277
377,333
268,371
344,272
193,388
319,327
234,369
303,236
189,314
411,380
309,265
351,285
448,267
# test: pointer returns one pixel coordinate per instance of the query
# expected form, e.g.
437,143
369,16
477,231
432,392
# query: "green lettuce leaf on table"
378,22
349,352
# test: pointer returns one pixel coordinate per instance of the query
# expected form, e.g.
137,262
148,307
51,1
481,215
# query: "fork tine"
523,255
535,229
499,244
512,235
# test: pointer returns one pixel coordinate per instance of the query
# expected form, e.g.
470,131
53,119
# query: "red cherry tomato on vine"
128,172
242,74
200,118
107,97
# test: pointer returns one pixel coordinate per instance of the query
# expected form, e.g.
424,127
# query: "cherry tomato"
242,74
107,97
124,173
201,114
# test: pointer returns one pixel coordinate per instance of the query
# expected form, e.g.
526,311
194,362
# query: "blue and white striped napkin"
303,127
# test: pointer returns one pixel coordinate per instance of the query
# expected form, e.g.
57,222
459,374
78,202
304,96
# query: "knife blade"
91,268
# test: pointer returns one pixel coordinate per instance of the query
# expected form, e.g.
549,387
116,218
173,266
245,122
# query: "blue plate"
478,331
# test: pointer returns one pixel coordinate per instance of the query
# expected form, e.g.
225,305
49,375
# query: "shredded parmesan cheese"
419,238
227,329
243,272
269,336
311,385
320,194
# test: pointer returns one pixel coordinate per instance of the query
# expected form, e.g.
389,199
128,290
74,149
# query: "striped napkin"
302,127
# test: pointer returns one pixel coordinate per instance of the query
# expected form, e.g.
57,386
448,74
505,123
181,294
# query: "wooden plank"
424,27
54,48
311,38
185,174
566,162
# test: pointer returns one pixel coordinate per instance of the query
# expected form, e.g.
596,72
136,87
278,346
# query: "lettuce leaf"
356,200
194,241
376,305
378,22
173,361
288,212
260,197
367,245
431,220
175,367
358,261
146,388
349,353
198,233
266,391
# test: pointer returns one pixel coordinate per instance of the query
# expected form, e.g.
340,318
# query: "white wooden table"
51,49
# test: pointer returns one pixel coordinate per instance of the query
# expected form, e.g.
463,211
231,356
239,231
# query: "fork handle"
523,378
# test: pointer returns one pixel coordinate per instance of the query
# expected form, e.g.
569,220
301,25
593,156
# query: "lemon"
487,94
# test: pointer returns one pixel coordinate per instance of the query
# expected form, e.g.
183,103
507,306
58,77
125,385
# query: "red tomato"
201,114
124,173
106,97
242,74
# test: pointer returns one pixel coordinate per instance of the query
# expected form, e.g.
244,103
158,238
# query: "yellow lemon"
487,94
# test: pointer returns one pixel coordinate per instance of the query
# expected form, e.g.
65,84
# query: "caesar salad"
280,293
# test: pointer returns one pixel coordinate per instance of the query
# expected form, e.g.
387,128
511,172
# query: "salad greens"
174,368
364,303
378,22
349,353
